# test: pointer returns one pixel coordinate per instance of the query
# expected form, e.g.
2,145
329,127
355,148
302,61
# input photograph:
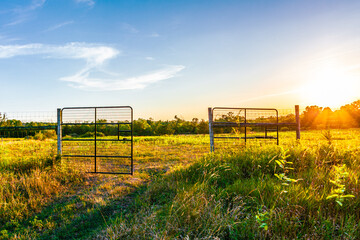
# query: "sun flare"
331,86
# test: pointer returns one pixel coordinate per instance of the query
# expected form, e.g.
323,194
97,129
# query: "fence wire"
31,125
27,117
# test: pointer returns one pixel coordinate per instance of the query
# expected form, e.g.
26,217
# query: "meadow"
300,189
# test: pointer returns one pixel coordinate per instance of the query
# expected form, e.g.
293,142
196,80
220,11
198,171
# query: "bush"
46,134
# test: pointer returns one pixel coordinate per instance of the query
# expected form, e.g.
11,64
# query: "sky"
167,58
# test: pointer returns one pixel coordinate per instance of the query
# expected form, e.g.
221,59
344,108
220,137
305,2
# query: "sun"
331,86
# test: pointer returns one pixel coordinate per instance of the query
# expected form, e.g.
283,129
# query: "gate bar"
132,142
104,156
59,132
95,139
211,132
97,123
99,140
297,117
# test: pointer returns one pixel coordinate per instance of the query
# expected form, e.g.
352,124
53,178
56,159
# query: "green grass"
180,191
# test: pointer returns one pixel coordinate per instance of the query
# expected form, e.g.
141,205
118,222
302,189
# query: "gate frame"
60,138
245,124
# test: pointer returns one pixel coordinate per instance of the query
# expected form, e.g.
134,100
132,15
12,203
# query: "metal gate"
235,123
98,139
227,123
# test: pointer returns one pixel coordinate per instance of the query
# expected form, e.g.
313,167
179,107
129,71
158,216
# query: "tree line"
313,117
348,116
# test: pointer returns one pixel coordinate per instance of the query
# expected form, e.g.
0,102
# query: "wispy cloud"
35,4
22,14
18,20
90,3
130,28
60,25
82,80
4,38
154,35
150,58
95,56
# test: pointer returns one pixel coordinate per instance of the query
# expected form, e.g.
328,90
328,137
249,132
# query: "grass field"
300,189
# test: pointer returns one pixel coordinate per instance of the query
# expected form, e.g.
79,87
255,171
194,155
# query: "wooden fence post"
59,132
211,132
297,117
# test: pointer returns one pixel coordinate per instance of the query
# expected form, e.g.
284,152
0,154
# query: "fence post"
59,132
297,117
211,132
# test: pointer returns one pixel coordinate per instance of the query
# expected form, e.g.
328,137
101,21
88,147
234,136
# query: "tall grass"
30,176
181,192
219,196
40,194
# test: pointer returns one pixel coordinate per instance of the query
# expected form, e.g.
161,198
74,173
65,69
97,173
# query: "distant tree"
324,119
2,118
142,127
290,118
350,114
194,125
203,127
309,116
353,109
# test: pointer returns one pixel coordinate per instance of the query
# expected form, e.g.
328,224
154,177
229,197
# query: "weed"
328,136
262,218
284,165
338,193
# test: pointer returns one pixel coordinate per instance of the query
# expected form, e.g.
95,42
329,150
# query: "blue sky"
169,58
